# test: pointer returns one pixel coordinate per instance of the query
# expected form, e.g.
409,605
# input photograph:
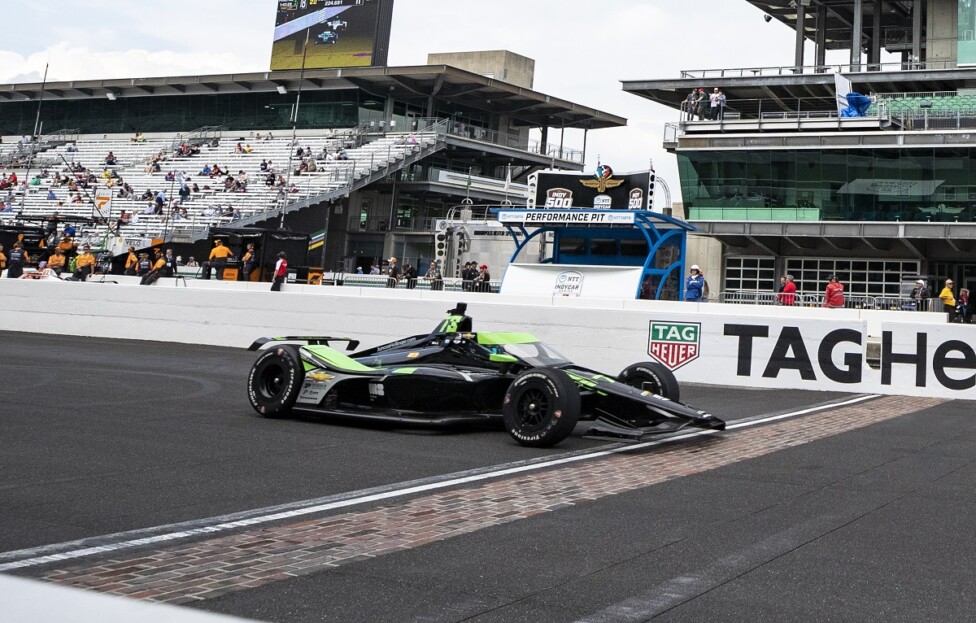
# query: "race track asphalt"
859,522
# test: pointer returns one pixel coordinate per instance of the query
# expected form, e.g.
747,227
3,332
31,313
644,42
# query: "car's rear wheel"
653,377
275,381
541,408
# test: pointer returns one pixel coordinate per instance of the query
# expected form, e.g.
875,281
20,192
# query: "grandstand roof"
524,106
896,20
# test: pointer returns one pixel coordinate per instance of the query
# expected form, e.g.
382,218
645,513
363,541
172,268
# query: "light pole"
294,130
37,122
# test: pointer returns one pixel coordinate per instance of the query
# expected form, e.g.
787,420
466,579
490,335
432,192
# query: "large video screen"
605,190
341,33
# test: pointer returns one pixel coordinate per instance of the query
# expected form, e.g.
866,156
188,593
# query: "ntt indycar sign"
817,354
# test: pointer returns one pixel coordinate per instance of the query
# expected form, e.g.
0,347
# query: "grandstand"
416,141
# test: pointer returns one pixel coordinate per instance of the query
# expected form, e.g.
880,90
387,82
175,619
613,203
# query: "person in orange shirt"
3,259
56,262
218,260
156,271
249,262
84,265
131,262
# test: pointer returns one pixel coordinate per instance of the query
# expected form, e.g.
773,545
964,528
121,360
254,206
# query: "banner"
815,354
340,33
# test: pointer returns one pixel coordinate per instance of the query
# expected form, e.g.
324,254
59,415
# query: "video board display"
340,33
604,190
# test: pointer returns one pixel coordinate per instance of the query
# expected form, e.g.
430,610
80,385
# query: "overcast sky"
582,49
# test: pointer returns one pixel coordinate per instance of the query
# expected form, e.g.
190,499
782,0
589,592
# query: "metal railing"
790,70
851,301
449,284
452,127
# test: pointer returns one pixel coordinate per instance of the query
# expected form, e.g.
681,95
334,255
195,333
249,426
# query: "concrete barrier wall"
603,334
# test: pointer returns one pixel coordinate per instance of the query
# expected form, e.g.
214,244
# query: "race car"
329,37
454,375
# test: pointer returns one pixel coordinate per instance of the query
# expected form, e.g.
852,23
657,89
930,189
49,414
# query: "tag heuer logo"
674,343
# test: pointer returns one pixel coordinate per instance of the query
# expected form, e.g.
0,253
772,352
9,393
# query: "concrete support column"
801,14
916,32
856,31
821,38
874,58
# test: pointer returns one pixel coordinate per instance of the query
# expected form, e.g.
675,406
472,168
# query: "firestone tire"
541,408
275,381
653,377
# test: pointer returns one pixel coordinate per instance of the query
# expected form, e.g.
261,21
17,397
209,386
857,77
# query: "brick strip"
205,569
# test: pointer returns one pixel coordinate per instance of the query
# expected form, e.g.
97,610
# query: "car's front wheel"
542,406
653,377
275,381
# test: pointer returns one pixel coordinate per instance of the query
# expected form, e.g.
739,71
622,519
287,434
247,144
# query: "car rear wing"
314,340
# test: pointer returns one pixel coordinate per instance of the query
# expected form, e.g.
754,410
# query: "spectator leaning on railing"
787,295
834,295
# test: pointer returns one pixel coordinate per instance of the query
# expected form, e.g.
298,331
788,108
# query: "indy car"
454,376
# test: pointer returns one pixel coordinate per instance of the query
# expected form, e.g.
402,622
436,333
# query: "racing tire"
275,381
541,408
653,377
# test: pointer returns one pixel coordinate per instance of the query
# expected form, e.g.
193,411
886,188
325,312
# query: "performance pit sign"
565,217
926,360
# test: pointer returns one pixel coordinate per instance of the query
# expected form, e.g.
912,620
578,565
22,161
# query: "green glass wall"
179,113
846,184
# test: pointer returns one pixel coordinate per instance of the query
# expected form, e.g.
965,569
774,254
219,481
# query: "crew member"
84,265
156,271
131,262
56,262
249,262
280,272
18,258
218,260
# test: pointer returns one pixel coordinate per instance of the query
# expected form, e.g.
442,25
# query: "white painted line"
278,515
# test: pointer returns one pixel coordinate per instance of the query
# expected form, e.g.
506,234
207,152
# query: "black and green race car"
454,375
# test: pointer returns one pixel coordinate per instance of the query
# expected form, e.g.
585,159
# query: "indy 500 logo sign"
674,343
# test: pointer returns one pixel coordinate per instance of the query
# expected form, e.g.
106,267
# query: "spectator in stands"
963,313
410,274
716,103
17,260
482,282
71,148
264,166
948,300
280,272
694,285
374,269
787,295
131,262
160,201
77,198
138,138
217,260
302,168
56,262
184,193
434,276
66,245
84,265
8,206
147,196
248,149
312,167
110,159
342,154
206,170
150,208
269,181
51,196
834,294
170,177
392,273
216,171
